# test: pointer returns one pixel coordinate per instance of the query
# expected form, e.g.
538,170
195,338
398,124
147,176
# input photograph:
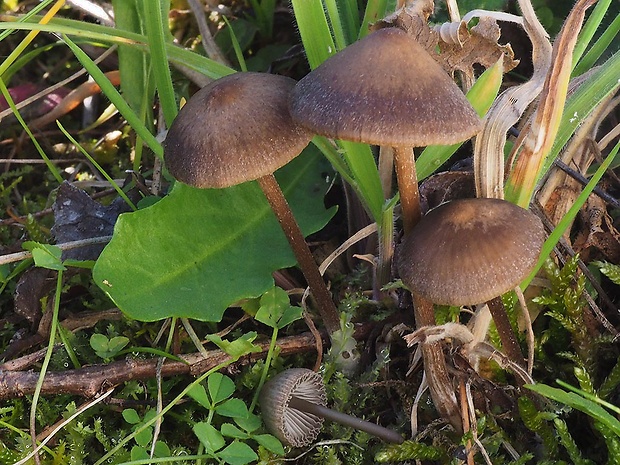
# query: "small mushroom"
293,408
471,251
238,129
386,90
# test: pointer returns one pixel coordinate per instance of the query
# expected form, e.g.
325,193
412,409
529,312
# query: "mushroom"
386,90
238,129
471,251
293,409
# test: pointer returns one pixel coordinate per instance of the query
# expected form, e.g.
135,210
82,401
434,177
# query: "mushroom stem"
385,434
279,205
411,212
504,329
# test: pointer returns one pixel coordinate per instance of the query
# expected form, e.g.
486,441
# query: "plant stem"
504,329
408,187
326,307
347,420
435,369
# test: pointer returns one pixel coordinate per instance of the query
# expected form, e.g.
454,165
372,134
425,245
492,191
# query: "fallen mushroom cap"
469,251
234,130
290,425
387,90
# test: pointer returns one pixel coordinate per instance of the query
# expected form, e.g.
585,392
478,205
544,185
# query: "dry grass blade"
537,141
507,109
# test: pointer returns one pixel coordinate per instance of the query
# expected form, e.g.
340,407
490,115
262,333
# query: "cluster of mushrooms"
383,90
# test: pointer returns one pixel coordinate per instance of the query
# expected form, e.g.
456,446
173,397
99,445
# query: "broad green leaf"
221,387
269,442
238,453
211,438
197,251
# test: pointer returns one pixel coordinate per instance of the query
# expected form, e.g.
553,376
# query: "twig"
19,256
91,380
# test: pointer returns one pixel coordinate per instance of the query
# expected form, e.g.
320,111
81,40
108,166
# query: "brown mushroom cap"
290,425
234,130
469,251
387,90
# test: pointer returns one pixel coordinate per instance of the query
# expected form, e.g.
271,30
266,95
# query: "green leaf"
250,423
580,403
131,416
45,255
197,251
198,393
220,387
107,348
610,270
234,408
211,438
269,442
237,348
133,64
238,453
275,309
99,342
232,431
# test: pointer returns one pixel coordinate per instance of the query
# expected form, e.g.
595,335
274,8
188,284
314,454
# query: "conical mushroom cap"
288,424
468,251
386,90
234,130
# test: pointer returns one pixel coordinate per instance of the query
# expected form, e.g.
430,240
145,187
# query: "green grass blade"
27,16
333,14
375,10
580,403
117,100
103,172
570,215
582,102
236,46
48,163
314,30
106,35
481,96
599,48
350,19
362,164
154,24
589,29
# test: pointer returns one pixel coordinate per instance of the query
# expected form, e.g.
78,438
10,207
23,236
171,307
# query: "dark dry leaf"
79,217
478,45
597,239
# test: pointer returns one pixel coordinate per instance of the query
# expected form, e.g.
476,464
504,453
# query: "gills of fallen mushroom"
238,129
293,405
